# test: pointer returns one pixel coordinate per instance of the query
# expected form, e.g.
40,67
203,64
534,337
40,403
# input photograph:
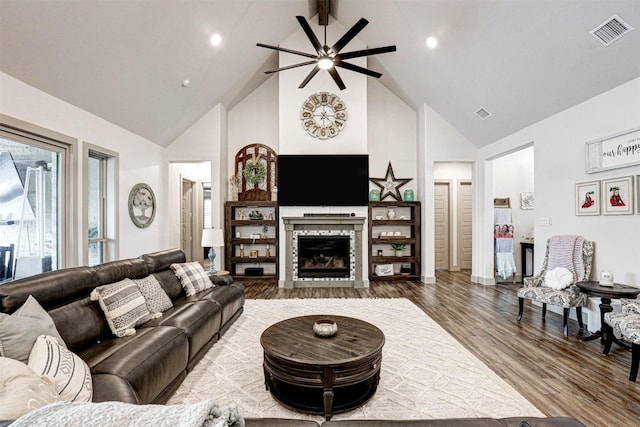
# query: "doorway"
453,215
188,216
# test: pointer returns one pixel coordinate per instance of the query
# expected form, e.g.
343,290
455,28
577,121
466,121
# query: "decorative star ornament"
389,185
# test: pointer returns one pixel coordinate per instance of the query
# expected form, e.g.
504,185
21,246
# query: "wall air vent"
611,30
483,113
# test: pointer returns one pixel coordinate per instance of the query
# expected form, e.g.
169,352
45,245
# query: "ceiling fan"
328,58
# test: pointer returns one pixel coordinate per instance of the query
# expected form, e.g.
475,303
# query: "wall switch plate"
544,221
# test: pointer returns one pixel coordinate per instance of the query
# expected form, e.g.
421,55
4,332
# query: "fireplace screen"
323,256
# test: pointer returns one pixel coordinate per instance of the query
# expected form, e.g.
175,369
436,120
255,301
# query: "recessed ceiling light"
432,42
186,83
215,40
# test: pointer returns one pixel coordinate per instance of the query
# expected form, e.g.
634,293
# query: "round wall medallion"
323,115
142,205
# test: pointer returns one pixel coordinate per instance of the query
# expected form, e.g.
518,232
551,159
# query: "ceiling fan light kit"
328,58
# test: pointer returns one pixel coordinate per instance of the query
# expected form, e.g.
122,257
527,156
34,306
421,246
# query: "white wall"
140,159
392,136
513,175
293,139
438,141
254,120
559,145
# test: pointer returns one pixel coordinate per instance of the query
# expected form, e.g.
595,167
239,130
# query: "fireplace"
323,256
323,251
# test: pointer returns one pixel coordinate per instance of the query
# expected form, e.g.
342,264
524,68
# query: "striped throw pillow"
123,305
70,373
192,277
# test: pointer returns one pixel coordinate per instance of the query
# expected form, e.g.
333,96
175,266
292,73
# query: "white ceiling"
124,60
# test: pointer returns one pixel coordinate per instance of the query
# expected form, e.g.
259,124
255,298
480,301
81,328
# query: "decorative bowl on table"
325,327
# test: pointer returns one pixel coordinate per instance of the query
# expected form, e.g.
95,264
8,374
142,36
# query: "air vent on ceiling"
483,113
611,30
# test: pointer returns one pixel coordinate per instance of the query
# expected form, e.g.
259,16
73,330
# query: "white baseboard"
487,281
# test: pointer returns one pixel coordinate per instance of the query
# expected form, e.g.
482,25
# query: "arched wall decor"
256,165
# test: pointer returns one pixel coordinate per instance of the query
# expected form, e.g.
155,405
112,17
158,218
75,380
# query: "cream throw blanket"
117,414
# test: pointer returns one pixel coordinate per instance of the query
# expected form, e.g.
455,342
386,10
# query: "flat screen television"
323,180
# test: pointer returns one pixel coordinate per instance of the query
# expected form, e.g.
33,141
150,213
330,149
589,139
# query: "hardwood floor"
560,376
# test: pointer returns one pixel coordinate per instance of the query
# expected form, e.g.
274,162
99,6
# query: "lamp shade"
212,237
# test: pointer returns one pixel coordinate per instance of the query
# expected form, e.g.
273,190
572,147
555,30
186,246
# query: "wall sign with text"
616,151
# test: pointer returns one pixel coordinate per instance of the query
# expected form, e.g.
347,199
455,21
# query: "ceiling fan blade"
336,78
288,67
349,35
282,49
358,69
309,77
365,52
310,35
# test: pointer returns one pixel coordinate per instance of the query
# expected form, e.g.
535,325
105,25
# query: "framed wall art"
615,151
588,198
617,194
527,201
142,205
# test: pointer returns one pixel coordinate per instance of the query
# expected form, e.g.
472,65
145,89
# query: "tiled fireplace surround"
325,225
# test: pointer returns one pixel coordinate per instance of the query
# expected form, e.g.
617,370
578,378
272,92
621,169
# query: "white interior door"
441,213
186,217
465,215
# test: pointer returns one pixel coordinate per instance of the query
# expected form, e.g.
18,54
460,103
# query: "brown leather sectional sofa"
146,367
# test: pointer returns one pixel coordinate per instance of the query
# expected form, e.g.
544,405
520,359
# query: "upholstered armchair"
554,284
626,324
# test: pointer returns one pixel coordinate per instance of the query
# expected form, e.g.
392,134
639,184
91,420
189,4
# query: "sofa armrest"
221,280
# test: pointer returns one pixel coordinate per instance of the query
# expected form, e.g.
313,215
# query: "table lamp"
212,237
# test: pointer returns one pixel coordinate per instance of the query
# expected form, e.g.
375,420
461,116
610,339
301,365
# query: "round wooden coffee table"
322,375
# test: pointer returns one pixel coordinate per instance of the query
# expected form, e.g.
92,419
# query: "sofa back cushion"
162,260
81,324
159,263
52,289
115,271
170,283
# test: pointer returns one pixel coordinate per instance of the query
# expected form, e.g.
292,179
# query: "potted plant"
399,248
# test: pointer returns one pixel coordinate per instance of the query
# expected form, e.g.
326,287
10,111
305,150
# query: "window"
35,217
100,218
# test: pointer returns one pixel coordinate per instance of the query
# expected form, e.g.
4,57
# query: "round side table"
606,294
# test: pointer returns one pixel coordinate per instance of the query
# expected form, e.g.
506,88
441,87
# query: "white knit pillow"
70,373
123,305
192,277
558,278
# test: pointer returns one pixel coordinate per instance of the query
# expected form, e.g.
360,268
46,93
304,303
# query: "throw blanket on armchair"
566,251
112,414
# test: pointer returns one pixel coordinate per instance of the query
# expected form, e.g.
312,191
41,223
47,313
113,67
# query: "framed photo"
588,198
618,196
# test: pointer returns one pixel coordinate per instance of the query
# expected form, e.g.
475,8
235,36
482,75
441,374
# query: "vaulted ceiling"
125,60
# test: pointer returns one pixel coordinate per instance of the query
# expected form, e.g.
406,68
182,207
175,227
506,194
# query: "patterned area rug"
425,372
